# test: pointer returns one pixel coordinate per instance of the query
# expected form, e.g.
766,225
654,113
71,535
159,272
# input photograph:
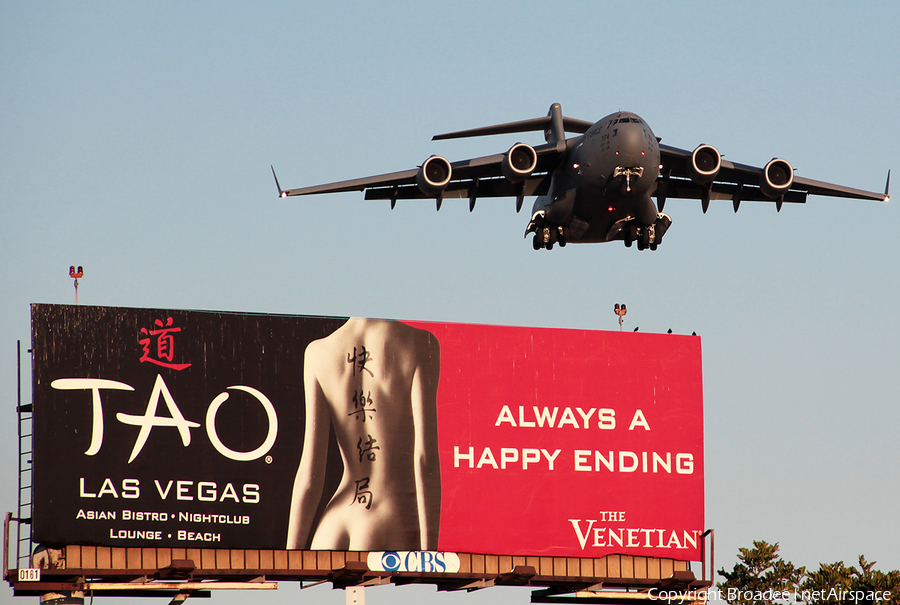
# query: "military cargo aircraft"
595,187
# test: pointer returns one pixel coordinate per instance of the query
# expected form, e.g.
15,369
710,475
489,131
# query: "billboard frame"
135,571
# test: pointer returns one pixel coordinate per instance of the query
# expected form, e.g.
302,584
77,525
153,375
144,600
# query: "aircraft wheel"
628,242
537,243
653,246
549,246
644,240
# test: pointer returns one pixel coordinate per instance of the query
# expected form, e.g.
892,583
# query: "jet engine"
434,175
776,178
519,162
705,164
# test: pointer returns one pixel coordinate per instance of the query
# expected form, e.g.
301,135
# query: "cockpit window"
624,121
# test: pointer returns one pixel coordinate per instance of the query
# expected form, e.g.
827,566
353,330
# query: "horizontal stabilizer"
534,124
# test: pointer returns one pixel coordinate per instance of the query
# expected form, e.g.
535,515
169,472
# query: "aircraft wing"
473,178
404,177
740,182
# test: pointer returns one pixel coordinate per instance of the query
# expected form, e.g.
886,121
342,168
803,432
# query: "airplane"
595,187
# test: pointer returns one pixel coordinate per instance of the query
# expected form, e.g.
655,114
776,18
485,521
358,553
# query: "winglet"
281,193
887,188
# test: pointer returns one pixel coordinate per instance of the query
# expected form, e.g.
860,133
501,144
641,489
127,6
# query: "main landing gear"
545,234
647,236
545,238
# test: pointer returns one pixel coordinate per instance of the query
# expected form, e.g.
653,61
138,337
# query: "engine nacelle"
776,178
519,162
705,164
434,175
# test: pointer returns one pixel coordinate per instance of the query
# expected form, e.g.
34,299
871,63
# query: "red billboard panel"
187,428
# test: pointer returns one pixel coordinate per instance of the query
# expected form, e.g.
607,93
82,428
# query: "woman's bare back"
377,381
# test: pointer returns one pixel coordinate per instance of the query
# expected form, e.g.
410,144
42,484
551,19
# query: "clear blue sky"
135,140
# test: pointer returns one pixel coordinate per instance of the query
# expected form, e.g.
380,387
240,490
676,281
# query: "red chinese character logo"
165,345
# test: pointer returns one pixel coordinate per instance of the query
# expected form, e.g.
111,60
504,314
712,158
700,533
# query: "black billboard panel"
152,427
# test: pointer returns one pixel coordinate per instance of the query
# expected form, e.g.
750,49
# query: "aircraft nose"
630,145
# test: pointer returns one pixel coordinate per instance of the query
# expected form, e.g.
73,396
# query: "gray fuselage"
605,181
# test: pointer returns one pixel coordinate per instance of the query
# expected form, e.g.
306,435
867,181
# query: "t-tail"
554,125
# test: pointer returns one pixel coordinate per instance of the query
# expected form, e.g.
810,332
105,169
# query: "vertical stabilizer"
555,131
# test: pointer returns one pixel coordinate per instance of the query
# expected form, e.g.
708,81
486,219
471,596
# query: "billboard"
196,429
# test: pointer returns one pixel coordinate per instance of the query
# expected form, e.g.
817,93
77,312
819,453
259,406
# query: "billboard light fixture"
620,310
178,568
75,274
